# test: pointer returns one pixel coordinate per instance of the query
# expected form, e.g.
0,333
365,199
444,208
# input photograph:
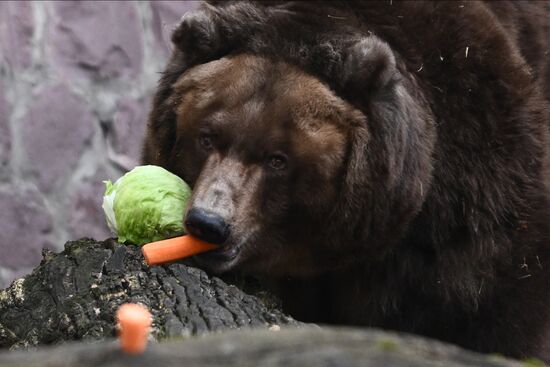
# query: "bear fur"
443,224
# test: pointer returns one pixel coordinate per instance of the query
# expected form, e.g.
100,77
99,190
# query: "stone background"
76,80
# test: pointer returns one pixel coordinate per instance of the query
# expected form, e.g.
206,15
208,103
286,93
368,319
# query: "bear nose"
206,226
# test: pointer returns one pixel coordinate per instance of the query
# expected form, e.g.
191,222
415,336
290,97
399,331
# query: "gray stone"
16,33
86,217
100,39
289,347
24,223
128,131
55,131
166,16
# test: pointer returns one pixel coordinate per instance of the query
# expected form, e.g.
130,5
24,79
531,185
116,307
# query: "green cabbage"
145,205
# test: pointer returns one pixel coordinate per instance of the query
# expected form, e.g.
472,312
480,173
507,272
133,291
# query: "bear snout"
207,226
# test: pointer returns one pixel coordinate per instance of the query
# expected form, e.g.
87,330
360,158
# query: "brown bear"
381,163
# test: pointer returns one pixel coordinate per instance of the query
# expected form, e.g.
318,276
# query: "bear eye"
277,161
206,141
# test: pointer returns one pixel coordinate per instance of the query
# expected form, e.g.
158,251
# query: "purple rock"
98,39
55,132
128,132
166,16
17,32
24,223
86,215
5,132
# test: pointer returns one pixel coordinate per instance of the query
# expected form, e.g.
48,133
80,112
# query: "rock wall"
76,80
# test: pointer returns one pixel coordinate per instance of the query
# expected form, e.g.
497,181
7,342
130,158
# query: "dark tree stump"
286,348
74,295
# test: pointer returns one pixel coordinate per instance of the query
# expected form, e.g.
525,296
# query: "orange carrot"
134,321
174,249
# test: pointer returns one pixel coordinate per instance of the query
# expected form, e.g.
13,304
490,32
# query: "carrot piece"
134,321
174,249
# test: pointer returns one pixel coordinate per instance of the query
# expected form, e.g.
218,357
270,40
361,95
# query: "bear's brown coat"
441,225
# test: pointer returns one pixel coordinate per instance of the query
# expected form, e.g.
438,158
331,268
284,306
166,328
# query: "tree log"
74,295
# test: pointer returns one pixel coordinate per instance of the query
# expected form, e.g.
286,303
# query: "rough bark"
288,348
73,295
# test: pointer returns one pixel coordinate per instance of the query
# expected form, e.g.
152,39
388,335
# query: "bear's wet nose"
206,226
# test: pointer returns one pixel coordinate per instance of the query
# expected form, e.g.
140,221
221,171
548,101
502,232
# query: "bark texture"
74,295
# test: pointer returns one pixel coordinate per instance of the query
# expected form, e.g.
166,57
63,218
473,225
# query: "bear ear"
198,35
368,65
